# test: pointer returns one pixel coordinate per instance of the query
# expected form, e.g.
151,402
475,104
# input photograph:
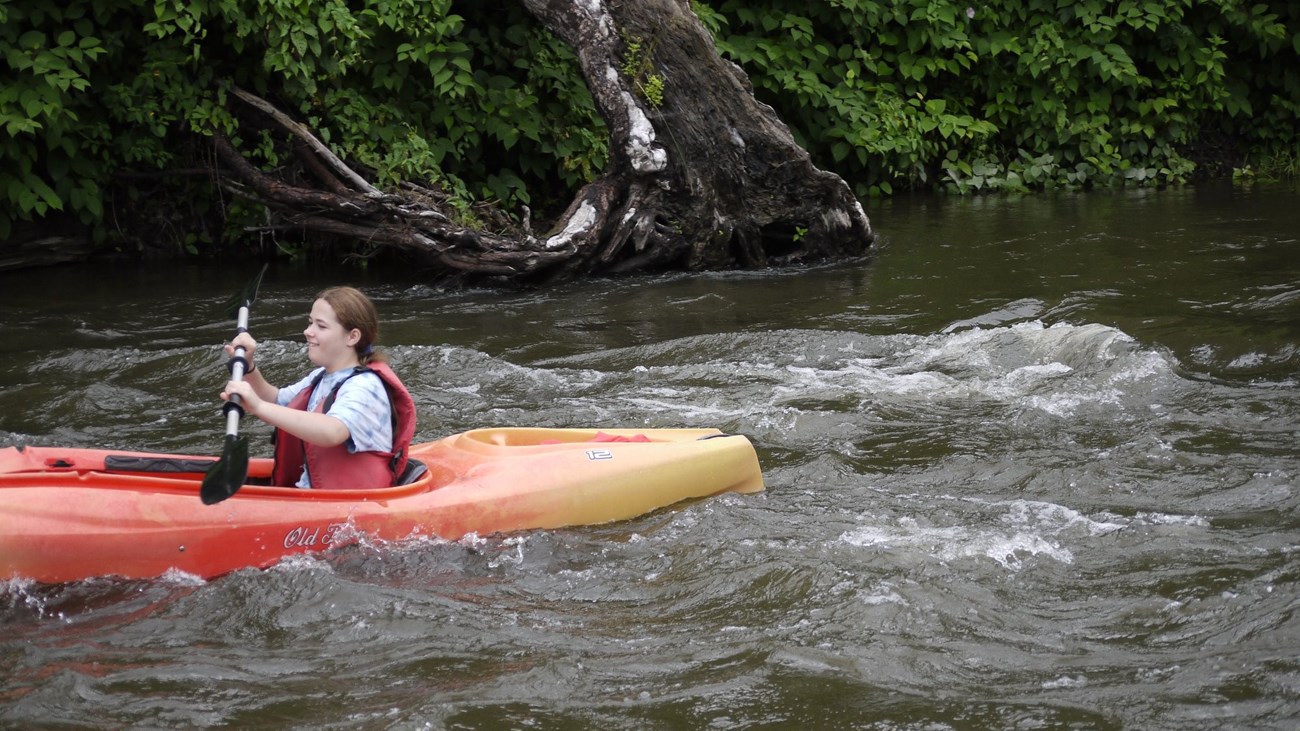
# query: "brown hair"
355,310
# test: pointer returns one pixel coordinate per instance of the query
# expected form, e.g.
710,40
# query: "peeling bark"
709,178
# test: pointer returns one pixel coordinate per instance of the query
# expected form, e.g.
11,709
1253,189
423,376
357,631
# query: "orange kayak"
68,514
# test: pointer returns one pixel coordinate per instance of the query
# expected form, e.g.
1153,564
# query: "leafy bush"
49,54
1007,95
477,103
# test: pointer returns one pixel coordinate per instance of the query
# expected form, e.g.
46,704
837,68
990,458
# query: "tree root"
707,178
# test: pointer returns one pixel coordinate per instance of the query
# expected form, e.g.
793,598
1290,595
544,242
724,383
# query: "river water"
1033,464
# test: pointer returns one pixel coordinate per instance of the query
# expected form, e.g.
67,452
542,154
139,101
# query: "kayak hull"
69,514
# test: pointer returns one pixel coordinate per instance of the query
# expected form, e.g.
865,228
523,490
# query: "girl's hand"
251,402
249,345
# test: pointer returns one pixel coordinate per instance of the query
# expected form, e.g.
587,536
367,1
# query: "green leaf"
31,40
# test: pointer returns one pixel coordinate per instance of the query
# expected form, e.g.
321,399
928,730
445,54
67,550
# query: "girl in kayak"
348,423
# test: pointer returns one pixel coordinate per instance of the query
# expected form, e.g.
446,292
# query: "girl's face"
328,344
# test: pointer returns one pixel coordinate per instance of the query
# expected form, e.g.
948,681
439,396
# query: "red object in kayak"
68,514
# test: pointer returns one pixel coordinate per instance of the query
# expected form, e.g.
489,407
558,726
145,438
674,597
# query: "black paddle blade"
246,296
226,475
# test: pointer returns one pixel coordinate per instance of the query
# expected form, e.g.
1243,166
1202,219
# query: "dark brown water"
1033,465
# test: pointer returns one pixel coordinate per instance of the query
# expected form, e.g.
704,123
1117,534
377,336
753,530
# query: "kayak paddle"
227,474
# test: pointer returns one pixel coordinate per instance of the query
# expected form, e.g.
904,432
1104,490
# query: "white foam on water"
953,543
176,577
1026,529
310,561
1058,369
1154,518
1066,681
1056,518
20,591
771,381
873,379
1248,360
692,412
881,594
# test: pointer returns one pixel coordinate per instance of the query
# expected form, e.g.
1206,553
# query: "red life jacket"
335,468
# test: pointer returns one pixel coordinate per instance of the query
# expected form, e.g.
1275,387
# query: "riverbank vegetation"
1027,94
110,109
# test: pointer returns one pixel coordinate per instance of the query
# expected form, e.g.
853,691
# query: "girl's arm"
322,430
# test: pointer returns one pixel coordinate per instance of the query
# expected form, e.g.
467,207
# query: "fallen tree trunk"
700,175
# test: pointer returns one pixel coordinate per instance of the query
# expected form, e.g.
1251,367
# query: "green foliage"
1271,164
102,101
1017,95
480,103
638,65
456,97
49,54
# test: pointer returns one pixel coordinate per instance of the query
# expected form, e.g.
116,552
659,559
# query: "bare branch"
305,135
